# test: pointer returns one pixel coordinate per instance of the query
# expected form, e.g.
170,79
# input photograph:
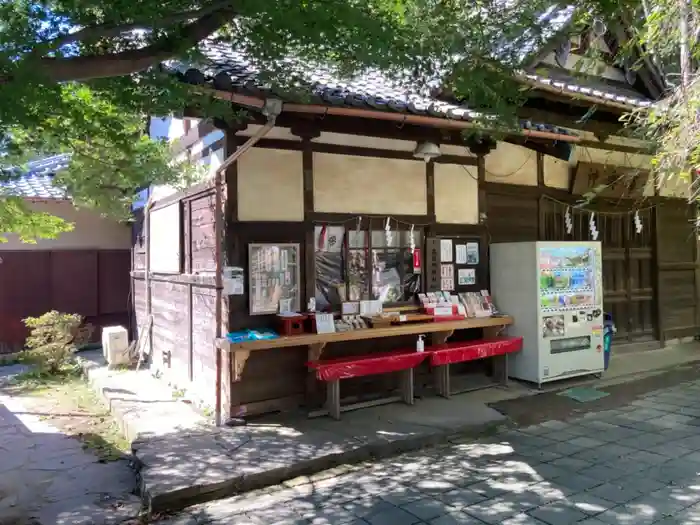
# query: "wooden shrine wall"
678,270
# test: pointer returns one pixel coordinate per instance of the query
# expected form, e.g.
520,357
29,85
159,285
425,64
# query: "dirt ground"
69,404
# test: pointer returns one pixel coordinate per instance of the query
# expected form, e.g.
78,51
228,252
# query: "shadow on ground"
48,477
634,464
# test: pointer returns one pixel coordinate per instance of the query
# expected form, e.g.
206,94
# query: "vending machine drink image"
554,292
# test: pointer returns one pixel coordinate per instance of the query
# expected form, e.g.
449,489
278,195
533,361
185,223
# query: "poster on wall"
446,250
466,276
274,278
461,254
472,253
447,284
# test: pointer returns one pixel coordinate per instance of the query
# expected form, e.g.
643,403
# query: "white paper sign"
445,250
447,271
447,284
461,254
466,276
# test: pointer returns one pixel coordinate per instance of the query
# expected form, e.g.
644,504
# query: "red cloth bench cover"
459,352
367,365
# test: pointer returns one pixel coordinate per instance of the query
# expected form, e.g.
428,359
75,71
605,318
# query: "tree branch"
114,30
79,68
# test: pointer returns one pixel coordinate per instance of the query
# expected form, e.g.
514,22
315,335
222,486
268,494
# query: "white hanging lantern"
568,221
638,226
592,227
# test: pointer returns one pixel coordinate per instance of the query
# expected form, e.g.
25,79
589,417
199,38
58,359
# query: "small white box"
115,345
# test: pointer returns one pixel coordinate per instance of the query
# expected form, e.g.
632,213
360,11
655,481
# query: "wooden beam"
540,169
430,190
569,119
607,146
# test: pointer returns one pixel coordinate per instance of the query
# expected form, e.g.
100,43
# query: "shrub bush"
52,341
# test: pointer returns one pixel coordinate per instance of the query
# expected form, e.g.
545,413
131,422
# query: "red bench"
442,356
333,370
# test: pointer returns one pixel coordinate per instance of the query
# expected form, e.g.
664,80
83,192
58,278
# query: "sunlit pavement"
638,464
48,478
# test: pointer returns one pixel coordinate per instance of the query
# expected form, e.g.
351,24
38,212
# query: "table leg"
238,359
407,386
500,369
314,353
333,398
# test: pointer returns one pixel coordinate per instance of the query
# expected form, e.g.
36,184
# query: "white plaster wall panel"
611,158
349,184
270,185
556,172
360,141
274,133
675,187
91,231
456,194
161,191
460,151
512,164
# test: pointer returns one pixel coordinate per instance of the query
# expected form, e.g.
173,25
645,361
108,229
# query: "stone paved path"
637,465
47,478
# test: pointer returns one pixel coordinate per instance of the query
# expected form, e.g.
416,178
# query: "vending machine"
554,292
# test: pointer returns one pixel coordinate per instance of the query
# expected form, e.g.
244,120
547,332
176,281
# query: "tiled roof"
37,181
229,69
574,87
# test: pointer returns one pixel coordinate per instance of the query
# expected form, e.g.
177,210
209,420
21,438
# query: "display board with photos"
274,278
453,264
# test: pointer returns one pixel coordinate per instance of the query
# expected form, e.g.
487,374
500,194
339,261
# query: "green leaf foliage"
84,76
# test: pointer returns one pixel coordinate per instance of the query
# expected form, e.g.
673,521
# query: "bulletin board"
454,264
274,275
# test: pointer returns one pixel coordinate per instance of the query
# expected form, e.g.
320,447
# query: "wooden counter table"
440,332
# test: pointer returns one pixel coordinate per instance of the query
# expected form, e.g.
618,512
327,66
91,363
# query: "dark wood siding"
183,307
678,269
512,214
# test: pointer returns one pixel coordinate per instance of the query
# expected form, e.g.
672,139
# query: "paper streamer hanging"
638,226
412,241
592,227
387,231
568,222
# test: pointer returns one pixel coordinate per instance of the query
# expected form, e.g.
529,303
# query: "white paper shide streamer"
568,222
387,231
412,241
638,226
592,227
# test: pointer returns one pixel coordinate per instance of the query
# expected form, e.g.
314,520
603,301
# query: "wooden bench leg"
407,386
500,369
333,398
442,380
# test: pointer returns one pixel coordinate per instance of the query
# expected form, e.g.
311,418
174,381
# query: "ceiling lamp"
426,151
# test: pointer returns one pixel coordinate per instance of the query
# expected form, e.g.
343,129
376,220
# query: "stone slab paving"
633,465
46,478
184,459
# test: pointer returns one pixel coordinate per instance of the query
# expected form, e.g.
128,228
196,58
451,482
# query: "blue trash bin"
608,331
